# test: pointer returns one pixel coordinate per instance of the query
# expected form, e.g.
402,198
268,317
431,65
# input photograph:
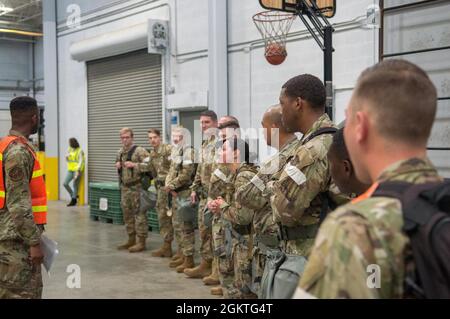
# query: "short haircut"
338,146
126,130
22,105
232,122
154,131
211,114
73,142
402,99
273,114
308,88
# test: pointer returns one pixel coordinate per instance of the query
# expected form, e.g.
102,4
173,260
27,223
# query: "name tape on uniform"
297,175
258,183
220,175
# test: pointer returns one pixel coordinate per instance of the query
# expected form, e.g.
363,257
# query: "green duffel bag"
186,210
281,275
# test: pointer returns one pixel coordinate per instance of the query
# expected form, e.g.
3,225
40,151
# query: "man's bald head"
272,117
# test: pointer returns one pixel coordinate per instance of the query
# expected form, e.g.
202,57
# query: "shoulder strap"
322,131
131,152
418,202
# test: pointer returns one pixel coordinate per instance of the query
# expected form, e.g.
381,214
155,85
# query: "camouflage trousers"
225,262
242,264
187,228
19,278
258,265
135,220
165,222
205,234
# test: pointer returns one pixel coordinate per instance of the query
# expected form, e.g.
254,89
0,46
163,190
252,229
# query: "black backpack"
426,214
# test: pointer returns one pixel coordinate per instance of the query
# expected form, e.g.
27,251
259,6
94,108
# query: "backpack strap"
131,153
322,131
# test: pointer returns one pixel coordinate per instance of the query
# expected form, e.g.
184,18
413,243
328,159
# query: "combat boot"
212,279
188,263
177,262
131,242
140,246
217,291
164,251
202,270
178,255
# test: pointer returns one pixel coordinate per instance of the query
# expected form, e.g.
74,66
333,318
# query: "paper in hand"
50,250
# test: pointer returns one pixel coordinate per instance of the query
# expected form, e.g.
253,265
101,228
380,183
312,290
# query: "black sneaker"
73,202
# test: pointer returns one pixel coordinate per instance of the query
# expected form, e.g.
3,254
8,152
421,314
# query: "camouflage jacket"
233,211
256,194
132,176
295,199
221,176
16,218
160,160
182,169
205,166
361,237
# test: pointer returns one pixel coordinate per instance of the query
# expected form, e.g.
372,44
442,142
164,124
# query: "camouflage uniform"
130,187
179,179
220,181
256,195
296,196
366,232
19,278
240,222
201,187
160,160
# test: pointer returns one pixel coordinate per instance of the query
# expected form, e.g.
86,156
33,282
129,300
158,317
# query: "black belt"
242,229
299,232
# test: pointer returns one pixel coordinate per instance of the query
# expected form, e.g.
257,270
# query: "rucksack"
426,215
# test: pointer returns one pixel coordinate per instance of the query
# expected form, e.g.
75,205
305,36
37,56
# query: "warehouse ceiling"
21,15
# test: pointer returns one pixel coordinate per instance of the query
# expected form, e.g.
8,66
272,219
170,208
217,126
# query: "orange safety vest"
37,183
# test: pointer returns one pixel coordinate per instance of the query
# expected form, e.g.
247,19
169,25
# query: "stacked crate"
104,199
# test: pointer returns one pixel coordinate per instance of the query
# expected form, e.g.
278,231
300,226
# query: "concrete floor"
105,271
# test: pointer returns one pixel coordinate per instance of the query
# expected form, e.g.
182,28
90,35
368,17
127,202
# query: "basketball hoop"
274,27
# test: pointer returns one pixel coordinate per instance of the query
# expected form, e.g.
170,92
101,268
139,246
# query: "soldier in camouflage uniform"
208,121
296,196
238,232
131,186
394,103
20,252
220,178
160,162
256,194
178,182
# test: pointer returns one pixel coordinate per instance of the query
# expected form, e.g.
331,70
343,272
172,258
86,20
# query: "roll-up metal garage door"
123,91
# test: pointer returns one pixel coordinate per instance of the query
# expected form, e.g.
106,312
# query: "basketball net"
274,27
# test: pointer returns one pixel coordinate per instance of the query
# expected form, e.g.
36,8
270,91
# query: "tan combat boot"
178,255
131,242
202,270
212,279
177,262
217,291
140,246
164,251
188,263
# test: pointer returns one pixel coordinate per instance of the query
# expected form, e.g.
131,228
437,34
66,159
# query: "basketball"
275,53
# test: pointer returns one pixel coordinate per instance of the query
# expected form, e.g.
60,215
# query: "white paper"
103,205
50,250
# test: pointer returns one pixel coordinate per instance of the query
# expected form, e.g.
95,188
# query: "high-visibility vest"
37,182
73,160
